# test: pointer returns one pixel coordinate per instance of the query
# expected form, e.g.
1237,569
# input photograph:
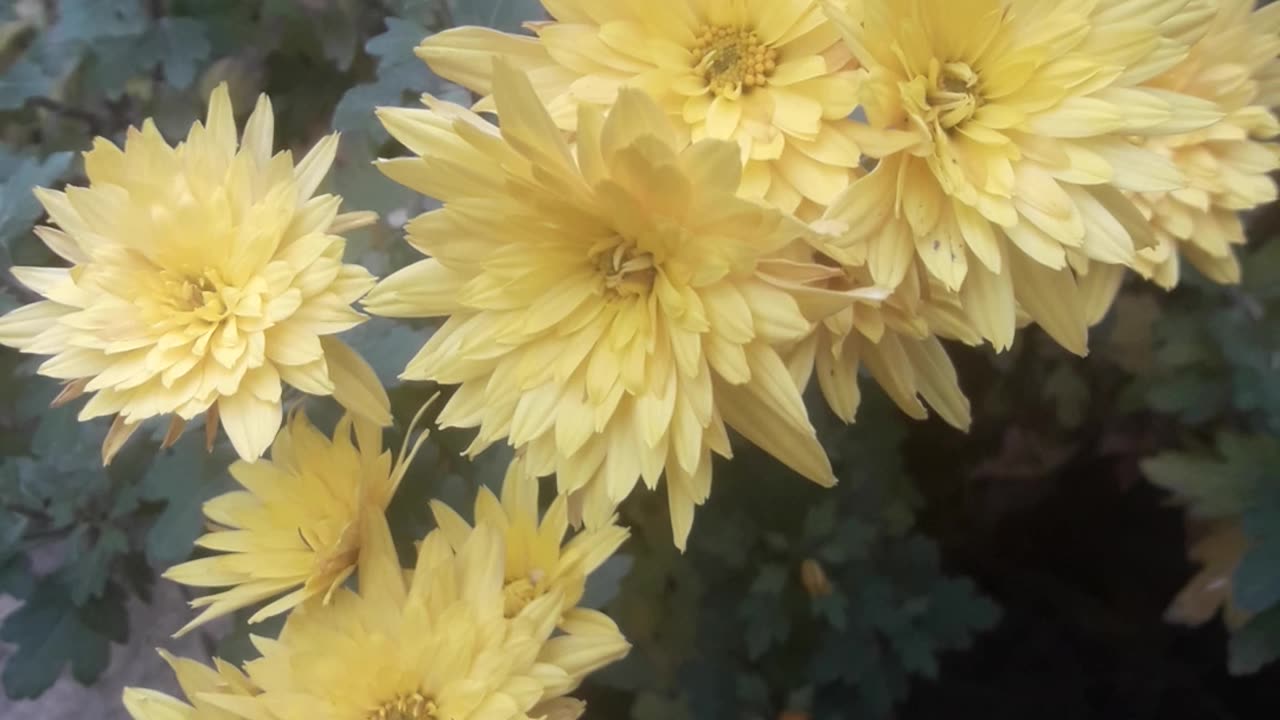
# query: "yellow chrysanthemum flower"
204,277
610,311
1003,126
422,646
538,559
296,527
771,75
1226,165
195,680
537,563
897,341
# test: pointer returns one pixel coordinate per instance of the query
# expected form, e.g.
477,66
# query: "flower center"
193,293
518,593
406,707
627,270
952,96
732,60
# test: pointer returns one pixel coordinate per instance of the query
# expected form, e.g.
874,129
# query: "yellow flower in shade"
295,530
538,559
195,680
609,311
428,645
1227,165
896,340
203,278
771,75
1003,129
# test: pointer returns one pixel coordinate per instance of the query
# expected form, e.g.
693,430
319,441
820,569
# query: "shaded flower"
204,277
538,560
770,75
295,530
1227,166
896,340
195,680
608,313
426,645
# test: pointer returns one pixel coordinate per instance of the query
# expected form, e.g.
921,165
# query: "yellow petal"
355,384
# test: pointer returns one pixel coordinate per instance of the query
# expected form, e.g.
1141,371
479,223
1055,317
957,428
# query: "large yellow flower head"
195,680
538,559
1226,165
433,644
203,278
1003,126
297,525
609,311
771,75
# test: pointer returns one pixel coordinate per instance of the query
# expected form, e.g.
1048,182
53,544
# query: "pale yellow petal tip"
349,221
830,228
120,432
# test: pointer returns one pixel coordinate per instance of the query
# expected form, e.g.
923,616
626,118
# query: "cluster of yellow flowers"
688,209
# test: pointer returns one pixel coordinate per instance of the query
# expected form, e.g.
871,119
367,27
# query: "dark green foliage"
51,631
790,598
1213,369
734,629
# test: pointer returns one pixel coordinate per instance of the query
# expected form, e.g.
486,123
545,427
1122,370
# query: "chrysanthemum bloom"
195,680
538,559
431,645
1003,128
897,341
204,277
609,312
296,527
771,75
1226,165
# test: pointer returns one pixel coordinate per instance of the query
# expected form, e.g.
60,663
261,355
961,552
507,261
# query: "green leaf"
388,345
652,706
15,576
1069,392
1211,487
1255,586
12,527
19,208
91,20
236,647
183,478
22,81
178,46
820,520
51,632
400,73
832,606
770,580
1256,644
90,561
604,583
505,15
336,29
